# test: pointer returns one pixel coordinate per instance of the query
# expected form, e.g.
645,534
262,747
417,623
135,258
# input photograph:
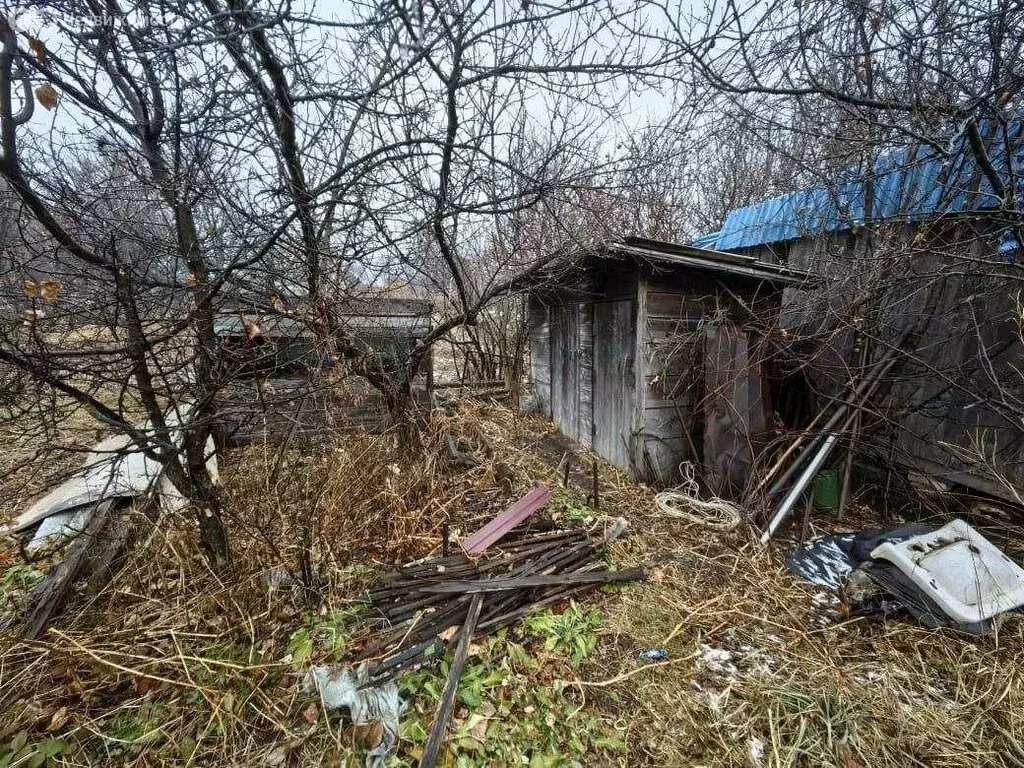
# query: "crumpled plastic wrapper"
339,686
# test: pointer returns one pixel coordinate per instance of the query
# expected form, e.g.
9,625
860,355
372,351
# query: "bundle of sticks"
423,604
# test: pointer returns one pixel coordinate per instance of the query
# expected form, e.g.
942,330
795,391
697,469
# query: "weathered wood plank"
585,432
564,364
444,710
571,373
525,582
540,352
639,329
614,380
675,304
734,410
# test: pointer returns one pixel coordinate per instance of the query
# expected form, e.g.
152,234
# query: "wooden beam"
526,582
444,710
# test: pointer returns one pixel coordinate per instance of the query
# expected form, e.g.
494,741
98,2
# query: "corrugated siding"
910,183
709,240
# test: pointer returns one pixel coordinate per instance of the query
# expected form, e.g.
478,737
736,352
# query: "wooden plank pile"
425,602
492,583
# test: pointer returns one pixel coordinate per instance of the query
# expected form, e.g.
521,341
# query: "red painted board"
534,499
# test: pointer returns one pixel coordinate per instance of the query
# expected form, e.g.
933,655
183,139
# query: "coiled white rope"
684,501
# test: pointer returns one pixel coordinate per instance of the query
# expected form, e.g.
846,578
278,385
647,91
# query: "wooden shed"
645,352
281,382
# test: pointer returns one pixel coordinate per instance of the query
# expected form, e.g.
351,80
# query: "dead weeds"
169,666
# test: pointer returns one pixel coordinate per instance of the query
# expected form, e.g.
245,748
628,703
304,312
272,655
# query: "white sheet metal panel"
113,468
961,570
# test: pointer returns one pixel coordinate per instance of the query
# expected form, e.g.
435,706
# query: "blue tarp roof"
910,184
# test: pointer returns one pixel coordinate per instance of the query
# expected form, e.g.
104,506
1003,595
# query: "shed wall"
671,340
950,286
540,353
703,399
561,364
571,367
623,371
582,362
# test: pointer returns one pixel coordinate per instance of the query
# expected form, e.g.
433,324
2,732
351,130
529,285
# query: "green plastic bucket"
826,489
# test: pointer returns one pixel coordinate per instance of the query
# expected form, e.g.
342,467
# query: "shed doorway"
614,380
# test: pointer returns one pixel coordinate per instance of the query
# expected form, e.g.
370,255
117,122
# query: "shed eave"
712,261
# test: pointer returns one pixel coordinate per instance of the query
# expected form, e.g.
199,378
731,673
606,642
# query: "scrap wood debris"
423,603
816,443
427,604
93,509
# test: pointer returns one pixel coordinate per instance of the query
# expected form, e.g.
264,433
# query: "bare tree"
167,155
123,96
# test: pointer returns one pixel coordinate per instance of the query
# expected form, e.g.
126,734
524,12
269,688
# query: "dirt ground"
170,665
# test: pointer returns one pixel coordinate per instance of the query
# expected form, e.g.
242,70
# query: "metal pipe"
864,391
851,397
800,485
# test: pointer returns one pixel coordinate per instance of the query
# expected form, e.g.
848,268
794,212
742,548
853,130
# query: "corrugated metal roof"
709,240
910,184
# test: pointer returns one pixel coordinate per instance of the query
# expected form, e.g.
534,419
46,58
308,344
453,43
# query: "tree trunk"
207,501
193,481
198,486
213,534
407,418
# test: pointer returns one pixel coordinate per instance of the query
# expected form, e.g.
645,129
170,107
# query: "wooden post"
805,529
844,491
447,705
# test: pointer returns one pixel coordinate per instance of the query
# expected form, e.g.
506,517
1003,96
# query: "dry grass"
813,686
358,500
168,665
